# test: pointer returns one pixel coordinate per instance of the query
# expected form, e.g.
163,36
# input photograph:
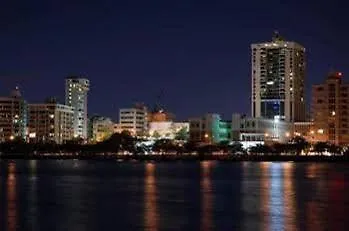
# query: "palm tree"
299,144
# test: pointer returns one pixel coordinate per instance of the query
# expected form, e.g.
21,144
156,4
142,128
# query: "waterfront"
208,195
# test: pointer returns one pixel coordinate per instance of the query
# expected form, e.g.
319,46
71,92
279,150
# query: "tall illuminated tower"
278,74
76,91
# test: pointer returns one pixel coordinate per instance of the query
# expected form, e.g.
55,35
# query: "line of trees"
124,142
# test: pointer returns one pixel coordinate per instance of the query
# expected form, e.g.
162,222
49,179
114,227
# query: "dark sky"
197,52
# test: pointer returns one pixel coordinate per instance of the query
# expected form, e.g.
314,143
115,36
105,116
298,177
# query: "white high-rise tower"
76,90
278,74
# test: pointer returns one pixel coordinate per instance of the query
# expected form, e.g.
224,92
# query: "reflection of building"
134,120
168,129
278,72
50,122
101,128
13,116
330,110
76,90
209,129
252,131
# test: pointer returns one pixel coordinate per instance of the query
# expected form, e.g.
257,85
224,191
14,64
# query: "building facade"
76,91
278,75
117,128
50,122
330,110
101,128
305,130
134,120
209,129
13,117
168,130
251,131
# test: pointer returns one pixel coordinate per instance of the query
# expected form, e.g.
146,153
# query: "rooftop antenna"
276,36
158,106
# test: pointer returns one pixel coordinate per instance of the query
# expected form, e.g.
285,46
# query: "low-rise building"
101,128
304,129
168,130
251,131
50,122
209,129
13,116
134,120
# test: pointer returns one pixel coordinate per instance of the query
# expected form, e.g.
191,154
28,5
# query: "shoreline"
167,158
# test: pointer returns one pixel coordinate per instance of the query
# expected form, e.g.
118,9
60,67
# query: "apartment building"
50,122
330,110
76,92
13,116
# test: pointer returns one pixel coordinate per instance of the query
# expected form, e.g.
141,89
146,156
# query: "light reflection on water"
152,196
150,208
32,195
11,198
290,212
206,195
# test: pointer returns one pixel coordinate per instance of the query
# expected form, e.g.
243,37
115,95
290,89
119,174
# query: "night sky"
196,52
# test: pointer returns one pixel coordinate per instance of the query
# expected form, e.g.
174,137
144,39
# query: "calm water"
87,195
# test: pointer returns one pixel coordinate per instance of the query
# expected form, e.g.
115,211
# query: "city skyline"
131,55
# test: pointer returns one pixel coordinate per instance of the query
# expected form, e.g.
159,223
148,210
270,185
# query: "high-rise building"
76,90
50,122
13,116
330,110
278,75
134,120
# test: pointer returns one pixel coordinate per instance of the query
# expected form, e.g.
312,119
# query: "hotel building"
278,74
